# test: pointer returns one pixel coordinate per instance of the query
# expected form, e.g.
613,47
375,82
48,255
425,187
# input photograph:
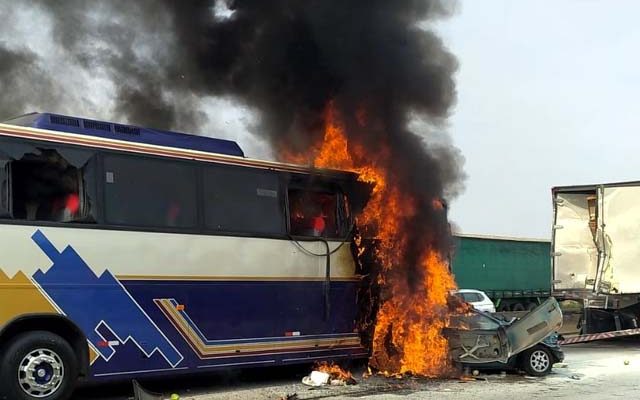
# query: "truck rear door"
620,240
575,255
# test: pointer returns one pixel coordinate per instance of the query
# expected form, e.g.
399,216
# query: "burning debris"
335,85
328,374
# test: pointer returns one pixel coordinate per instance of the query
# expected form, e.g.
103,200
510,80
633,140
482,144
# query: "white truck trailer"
595,253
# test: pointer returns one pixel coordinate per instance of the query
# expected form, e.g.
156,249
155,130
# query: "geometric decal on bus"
206,348
96,303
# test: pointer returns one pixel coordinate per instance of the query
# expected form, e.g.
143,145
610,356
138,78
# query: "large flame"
408,332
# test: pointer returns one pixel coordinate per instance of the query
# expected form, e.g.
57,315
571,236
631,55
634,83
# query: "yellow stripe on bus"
18,295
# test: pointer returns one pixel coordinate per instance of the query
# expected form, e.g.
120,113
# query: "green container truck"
515,273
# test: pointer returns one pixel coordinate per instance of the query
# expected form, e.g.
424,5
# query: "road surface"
603,370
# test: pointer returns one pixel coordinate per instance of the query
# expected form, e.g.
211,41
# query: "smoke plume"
284,58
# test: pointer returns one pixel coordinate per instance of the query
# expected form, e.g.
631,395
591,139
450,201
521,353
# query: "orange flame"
334,371
408,333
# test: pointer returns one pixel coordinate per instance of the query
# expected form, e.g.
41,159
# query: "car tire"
537,361
54,363
518,307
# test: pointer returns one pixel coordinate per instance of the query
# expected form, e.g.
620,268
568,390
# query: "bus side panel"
241,323
165,320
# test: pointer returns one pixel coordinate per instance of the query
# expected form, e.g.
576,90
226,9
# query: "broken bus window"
43,182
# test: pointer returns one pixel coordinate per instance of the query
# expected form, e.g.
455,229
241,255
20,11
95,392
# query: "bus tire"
54,364
518,307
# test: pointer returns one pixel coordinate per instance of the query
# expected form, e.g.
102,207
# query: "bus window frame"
197,227
286,180
282,199
5,187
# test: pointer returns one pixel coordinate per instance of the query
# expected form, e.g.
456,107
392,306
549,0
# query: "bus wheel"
38,365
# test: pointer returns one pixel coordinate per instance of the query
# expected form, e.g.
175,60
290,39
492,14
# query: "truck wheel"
531,306
518,307
537,361
38,365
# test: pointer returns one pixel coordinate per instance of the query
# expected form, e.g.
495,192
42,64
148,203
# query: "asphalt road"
590,371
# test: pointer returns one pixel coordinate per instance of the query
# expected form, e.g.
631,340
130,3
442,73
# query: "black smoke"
23,82
284,58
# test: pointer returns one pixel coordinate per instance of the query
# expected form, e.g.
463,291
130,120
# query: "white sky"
547,96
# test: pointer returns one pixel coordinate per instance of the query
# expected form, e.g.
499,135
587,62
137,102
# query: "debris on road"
468,378
316,378
328,374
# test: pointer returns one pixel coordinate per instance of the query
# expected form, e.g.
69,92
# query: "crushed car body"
483,341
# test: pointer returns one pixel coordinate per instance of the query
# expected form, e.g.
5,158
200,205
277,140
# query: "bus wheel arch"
53,323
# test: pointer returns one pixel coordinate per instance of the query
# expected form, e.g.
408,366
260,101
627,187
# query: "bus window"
147,192
243,200
50,183
316,213
5,206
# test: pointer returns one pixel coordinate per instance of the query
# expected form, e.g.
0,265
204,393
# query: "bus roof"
120,143
130,133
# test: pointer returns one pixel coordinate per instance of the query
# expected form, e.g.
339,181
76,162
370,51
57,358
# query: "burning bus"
366,90
130,252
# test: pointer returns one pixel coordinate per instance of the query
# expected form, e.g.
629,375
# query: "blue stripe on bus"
207,303
255,339
91,301
258,309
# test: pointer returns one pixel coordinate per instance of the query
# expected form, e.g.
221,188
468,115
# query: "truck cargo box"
595,238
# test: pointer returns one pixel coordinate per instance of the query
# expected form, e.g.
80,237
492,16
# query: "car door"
477,339
534,326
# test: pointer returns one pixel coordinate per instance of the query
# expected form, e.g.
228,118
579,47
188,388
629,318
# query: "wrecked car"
482,341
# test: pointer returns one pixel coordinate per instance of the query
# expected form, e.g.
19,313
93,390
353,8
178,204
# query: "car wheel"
38,365
537,361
